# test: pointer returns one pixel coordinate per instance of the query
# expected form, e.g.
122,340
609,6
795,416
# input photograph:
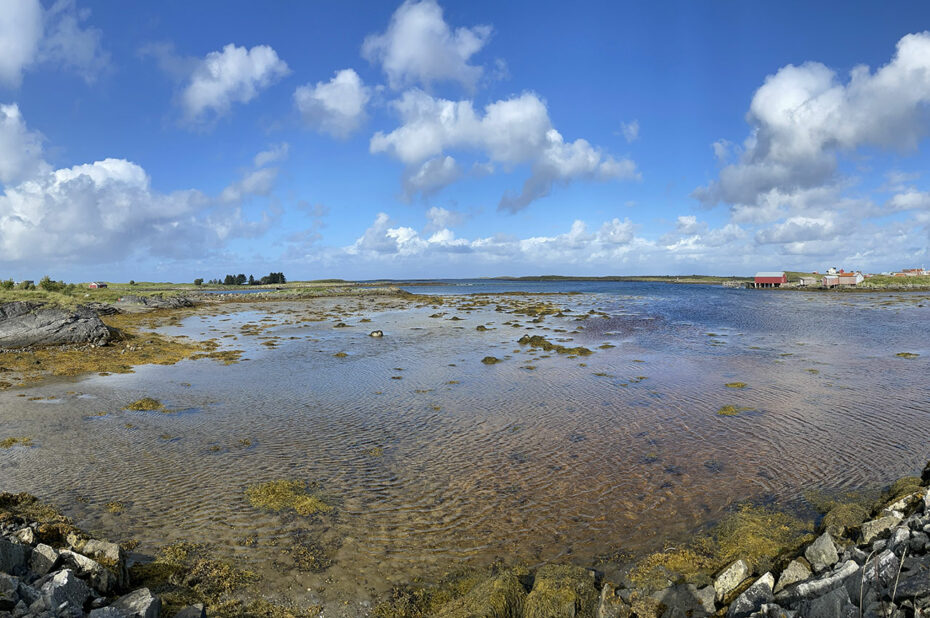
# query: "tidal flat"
335,466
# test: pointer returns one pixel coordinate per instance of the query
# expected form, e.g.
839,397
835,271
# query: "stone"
12,556
834,604
914,582
899,538
706,597
684,600
813,588
101,578
27,536
918,542
822,553
772,610
8,591
730,579
27,324
872,530
376,333
195,611
796,571
65,587
562,591
753,598
611,605
43,559
501,596
107,612
109,555
139,603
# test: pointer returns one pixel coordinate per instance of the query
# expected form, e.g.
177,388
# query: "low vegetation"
538,341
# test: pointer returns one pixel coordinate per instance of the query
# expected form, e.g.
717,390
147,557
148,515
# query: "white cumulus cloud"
20,149
419,47
336,107
511,131
232,75
30,35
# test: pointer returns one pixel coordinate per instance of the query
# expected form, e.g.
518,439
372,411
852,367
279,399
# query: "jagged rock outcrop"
26,324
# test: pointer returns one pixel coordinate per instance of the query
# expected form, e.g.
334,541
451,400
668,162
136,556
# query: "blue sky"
170,140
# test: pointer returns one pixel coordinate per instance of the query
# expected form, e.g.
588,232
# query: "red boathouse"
770,280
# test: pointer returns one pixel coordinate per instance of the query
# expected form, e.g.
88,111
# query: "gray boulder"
796,571
192,611
814,588
730,578
25,325
101,578
107,612
43,559
875,528
139,603
65,587
109,555
752,599
12,556
8,596
822,553
834,604
686,600
155,302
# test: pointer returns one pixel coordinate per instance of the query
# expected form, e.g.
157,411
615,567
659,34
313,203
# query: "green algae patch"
116,507
227,357
11,442
538,341
731,410
562,590
146,404
490,360
735,385
284,495
844,519
185,573
502,596
762,536
467,593
901,488
907,355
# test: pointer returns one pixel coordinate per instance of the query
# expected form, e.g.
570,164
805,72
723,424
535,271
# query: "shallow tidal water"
540,457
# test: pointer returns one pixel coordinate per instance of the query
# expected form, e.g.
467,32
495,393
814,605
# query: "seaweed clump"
490,360
735,385
460,595
761,536
731,410
146,404
538,341
283,495
11,442
185,573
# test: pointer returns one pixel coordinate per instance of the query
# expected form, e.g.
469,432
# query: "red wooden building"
770,279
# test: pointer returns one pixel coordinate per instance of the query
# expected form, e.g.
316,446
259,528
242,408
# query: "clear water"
479,462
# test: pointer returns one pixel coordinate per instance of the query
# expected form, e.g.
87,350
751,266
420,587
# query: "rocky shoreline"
873,563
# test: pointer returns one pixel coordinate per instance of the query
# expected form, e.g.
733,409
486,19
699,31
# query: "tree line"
241,279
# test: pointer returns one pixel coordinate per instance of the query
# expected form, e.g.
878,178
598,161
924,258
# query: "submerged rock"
502,596
24,324
562,591
376,333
